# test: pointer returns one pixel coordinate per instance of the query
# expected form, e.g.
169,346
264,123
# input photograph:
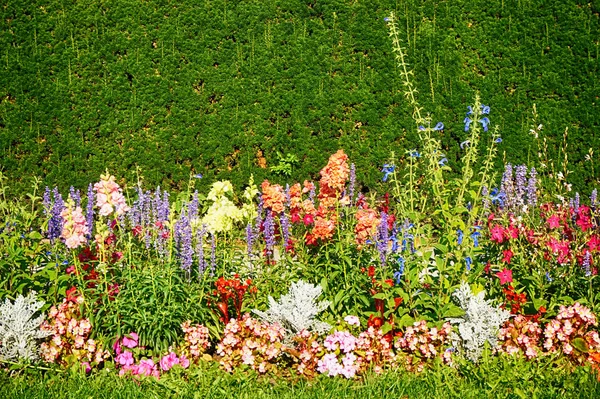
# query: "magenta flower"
184,362
125,359
505,276
131,340
147,368
168,361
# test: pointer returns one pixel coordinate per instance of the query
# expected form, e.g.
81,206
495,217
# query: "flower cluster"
109,196
74,227
570,332
251,342
420,343
70,340
222,214
195,341
230,292
366,226
273,197
520,334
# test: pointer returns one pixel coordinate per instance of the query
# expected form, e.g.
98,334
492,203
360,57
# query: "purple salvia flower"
507,188
576,202
352,185
259,212
594,198
486,201
165,207
249,239
55,224
213,254
586,263
89,210
383,238
186,250
532,188
311,194
193,207
200,250
75,195
47,202
521,185
269,232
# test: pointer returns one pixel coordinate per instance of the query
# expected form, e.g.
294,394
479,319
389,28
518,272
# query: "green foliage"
153,301
220,87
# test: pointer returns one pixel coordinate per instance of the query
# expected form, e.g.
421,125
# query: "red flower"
497,234
594,243
505,276
507,255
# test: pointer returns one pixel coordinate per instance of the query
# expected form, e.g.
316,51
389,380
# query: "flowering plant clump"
195,341
520,335
420,344
570,333
252,343
75,229
229,292
70,343
109,196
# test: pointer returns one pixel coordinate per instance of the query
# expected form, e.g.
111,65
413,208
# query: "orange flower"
295,196
273,196
366,226
324,228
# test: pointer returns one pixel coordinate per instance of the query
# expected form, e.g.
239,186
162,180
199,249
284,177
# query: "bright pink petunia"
507,255
553,222
505,276
497,234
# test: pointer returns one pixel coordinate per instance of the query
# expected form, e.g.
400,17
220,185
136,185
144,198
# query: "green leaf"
580,344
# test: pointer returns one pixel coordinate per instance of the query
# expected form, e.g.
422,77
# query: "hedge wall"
167,89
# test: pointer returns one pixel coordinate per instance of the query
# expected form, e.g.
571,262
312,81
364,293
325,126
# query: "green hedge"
183,87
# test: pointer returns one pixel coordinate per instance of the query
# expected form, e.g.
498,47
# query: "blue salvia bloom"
383,238
47,202
594,198
352,185
414,154
475,236
400,272
498,197
200,250
464,144
532,188
183,242
288,198
75,195
468,262
443,161
407,238
548,278
498,140
55,224
507,186
89,210
467,121
485,122
485,109
249,239
285,228
394,238
269,232
586,264
521,185
421,128
311,194
439,126
470,110
387,170
213,254
485,201
460,236
193,206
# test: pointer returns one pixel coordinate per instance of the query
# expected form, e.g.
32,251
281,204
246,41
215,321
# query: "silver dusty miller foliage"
18,331
297,310
480,323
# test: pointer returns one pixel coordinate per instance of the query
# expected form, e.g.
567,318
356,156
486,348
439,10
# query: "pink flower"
86,366
497,234
147,368
168,361
125,359
553,222
131,340
505,276
184,362
507,255
352,320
